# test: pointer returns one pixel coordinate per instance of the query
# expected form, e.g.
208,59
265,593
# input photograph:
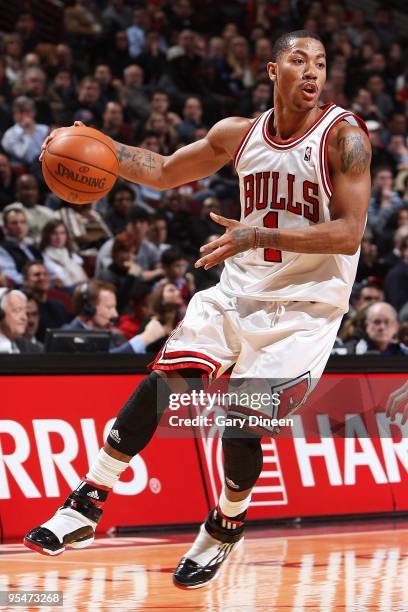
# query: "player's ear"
271,69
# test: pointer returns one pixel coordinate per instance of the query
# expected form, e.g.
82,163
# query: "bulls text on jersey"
261,191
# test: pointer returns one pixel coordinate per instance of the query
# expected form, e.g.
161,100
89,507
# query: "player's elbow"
350,245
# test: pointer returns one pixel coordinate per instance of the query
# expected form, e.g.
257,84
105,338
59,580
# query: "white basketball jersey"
286,184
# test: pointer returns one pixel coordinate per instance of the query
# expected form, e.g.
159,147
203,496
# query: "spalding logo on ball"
80,165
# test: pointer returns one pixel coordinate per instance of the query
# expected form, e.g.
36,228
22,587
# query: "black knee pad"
140,415
242,461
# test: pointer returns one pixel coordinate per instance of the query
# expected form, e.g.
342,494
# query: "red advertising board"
51,427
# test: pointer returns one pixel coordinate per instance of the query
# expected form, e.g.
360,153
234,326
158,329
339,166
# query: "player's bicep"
350,157
197,160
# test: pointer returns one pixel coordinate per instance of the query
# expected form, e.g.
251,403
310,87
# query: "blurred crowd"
157,74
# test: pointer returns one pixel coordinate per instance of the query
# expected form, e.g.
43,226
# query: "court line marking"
173,544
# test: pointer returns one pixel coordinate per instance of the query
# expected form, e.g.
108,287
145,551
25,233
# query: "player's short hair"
283,42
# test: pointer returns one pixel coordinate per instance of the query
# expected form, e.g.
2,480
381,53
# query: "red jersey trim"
183,359
244,141
284,145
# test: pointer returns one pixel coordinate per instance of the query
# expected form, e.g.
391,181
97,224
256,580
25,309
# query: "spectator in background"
15,252
363,106
133,94
13,51
13,304
396,281
368,293
94,306
203,226
123,271
64,266
136,32
166,135
86,228
175,264
35,87
103,76
61,94
89,101
238,58
394,256
53,313
167,307
381,329
7,182
183,69
117,16
160,103
158,232
153,59
121,200
119,56
138,309
380,156
398,150
22,142
33,320
28,193
145,253
192,119
113,124
369,263
257,100
384,200
207,278
381,99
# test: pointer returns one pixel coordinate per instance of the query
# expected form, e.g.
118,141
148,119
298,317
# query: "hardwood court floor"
349,568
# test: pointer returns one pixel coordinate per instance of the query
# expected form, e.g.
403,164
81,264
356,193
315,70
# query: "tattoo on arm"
353,154
243,238
140,157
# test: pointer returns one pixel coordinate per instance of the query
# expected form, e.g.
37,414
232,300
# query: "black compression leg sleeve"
242,461
139,417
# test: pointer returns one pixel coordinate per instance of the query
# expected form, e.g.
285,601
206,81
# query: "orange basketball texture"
80,165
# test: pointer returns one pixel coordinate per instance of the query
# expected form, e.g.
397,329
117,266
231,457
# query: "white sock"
231,508
106,470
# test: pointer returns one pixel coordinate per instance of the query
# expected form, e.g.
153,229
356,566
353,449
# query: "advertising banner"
341,455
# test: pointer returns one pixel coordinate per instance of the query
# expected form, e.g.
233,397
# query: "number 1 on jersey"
270,220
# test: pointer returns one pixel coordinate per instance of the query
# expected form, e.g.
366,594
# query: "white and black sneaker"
216,540
74,523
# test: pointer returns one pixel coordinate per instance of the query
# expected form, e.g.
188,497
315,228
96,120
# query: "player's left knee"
242,461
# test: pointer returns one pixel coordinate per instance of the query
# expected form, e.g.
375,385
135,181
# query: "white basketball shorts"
280,340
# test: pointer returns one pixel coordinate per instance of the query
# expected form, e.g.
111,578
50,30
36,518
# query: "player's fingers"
389,402
214,244
222,220
214,258
404,415
79,124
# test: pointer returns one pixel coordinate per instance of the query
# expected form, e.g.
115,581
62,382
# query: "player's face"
300,74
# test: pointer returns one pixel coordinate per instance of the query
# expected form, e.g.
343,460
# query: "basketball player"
289,267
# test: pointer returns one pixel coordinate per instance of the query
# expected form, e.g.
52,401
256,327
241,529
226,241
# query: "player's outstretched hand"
238,237
53,134
397,399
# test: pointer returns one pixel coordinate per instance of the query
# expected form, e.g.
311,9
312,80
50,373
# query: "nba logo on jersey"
308,154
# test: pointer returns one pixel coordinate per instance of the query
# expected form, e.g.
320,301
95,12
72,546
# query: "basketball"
80,165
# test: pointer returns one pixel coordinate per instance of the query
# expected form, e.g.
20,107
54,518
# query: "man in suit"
15,252
13,322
